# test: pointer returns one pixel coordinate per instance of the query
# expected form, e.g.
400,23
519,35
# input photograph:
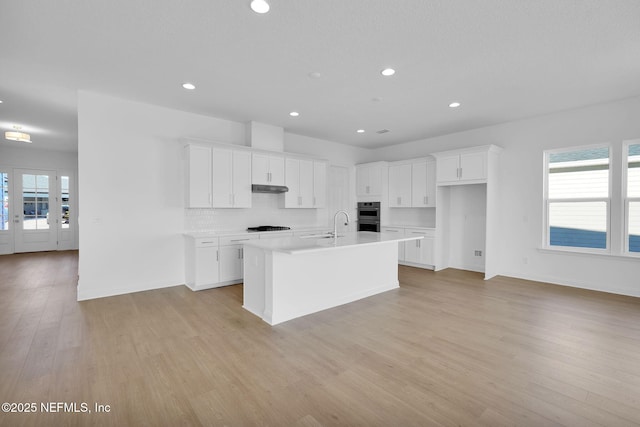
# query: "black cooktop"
268,228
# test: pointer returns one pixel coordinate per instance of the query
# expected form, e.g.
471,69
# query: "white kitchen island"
292,277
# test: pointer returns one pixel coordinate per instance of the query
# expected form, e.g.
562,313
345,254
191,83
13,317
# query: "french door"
36,205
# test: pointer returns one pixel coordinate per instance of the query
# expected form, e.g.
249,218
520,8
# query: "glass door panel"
36,218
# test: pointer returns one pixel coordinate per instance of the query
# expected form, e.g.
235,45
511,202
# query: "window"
4,198
632,198
577,198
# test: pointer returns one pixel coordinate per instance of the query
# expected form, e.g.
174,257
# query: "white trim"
568,283
103,291
566,250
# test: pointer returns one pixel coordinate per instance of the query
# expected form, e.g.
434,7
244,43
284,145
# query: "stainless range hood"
273,189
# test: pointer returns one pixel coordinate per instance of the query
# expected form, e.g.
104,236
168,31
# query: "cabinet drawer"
420,232
206,242
237,240
397,230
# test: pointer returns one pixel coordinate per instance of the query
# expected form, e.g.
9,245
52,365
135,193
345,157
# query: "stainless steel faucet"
335,222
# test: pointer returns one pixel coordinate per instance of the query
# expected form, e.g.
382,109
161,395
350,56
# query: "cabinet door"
206,265
292,180
222,178
412,251
230,263
473,166
241,179
399,232
400,186
431,184
319,184
427,251
375,180
276,170
448,168
418,184
198,177
306,184
362,181
260,169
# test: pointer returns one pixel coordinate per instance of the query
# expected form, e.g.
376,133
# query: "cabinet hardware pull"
239,240
217,255
206,242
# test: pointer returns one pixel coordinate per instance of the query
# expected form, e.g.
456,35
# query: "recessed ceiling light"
454,105
388,72
189,86
294,114
360,131
0,101
315,75
260,6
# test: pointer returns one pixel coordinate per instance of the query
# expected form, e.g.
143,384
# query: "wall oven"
369,216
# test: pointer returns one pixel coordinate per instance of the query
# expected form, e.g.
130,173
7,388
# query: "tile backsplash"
266,209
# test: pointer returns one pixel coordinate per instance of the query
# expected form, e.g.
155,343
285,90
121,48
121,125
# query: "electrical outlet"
477,253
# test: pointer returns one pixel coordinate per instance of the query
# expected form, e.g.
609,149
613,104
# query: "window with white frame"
632,198
577,199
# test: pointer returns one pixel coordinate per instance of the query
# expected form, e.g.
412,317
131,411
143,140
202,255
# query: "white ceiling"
502,59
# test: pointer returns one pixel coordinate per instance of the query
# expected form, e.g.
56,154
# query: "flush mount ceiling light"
294,114
388,72
454,105
17,136
360,131
259,6
189,86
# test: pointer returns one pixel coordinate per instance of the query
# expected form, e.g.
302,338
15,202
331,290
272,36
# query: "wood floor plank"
445,349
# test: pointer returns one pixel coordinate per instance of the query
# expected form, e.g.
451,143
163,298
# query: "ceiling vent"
381,131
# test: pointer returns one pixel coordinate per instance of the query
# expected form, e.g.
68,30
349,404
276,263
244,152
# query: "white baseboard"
103,291
569,283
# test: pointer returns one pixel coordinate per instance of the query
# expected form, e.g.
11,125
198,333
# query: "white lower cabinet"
230,262
214,261
202,262
417,253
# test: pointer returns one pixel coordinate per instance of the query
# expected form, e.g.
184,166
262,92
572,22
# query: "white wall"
131,180
131,176
520,176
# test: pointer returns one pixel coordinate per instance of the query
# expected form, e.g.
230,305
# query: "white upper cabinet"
319,184
412,183
267,169
241,179
462,167
400,185
369,178
218,177
423,184
231,178
199,178
306,180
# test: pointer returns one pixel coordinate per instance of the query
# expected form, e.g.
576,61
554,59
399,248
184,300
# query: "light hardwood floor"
446,348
